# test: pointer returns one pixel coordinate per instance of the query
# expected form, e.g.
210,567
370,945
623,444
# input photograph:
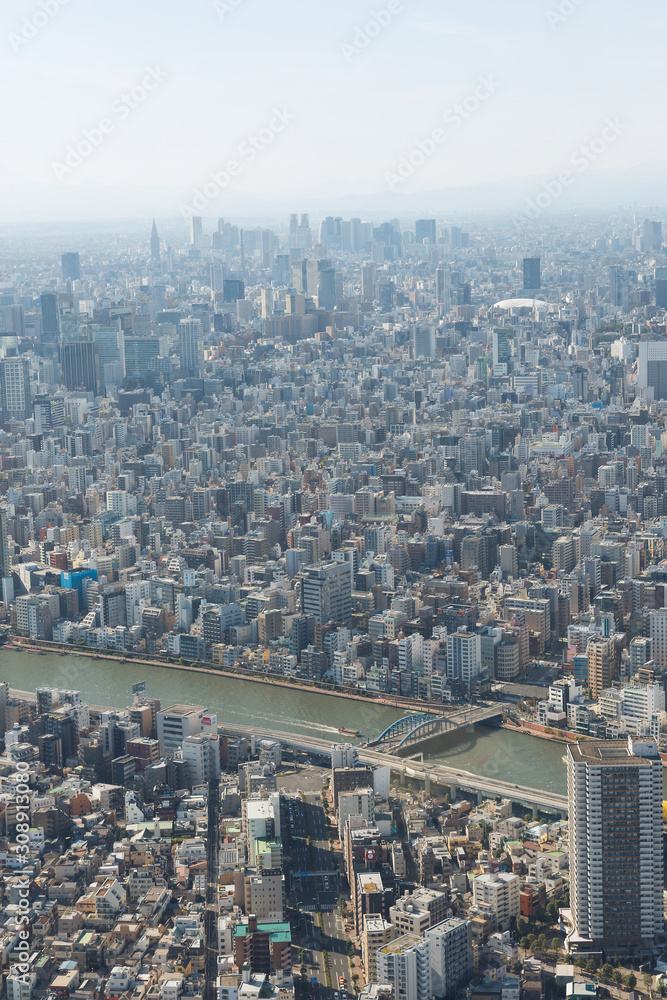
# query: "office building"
50,316
326,289
464,657
616,854
264,894
531,274
111,345
71,266
15,397
326,593
201,753
658,635
141,354
502,346
423,341
601,663
175,723
652,367
368,282
81,365
49,412
425,230
5,561
443,289
191,347
195,230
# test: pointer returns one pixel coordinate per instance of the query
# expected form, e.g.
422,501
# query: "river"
498,753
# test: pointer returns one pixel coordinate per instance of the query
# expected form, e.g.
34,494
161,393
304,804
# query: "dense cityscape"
413,467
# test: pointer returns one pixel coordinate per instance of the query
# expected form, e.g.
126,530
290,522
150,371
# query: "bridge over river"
412,730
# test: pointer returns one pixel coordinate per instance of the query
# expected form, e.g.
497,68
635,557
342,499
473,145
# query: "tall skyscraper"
326,289
71,265
618,287
580,383
502,346
191,347
423,341
15,389
49,412
216,277
443,289
616,856
531,274
111,344
50,316
326,593
425,230
155,244
140,352
5,561
652,367
81,365
368,282
471,455
195,229
601,663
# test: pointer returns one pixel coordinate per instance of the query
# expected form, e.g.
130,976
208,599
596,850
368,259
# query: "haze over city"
363,85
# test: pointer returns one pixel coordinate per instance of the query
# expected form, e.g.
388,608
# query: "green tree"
555,944
521,926
648,982
631,980
591,966
618,976
523,943
541,943
607,971
552,912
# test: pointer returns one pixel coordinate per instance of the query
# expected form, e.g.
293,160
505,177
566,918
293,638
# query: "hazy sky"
221,71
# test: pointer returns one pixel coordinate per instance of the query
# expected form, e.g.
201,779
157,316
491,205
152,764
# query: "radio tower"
212,904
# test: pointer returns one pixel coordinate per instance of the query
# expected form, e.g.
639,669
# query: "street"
315,887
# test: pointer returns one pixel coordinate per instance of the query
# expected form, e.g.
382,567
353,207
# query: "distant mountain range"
642,188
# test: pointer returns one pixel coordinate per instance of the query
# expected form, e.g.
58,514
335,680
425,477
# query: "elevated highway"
452,777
